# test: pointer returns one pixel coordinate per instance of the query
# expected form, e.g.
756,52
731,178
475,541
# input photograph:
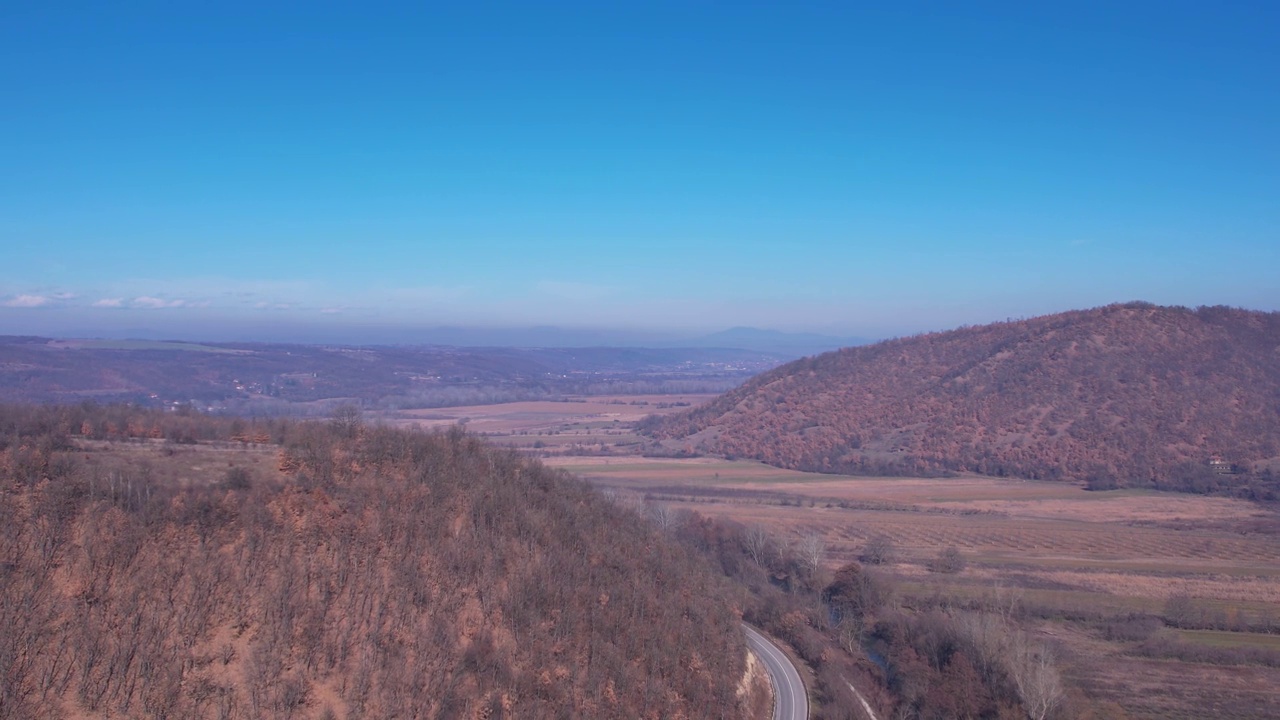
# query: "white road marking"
781,670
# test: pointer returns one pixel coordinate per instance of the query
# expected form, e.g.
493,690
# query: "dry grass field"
594,424
177,464
1134,543
1076,560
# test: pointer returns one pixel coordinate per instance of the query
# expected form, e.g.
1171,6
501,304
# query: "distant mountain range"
289,379
775,342
786,345
1130,392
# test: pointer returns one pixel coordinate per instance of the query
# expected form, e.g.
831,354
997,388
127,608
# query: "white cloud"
212,292
331,311
218,288
27,301
109,303
65,296
155,303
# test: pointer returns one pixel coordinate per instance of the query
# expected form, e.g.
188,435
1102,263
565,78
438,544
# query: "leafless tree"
758,543
347,420
879,550
950,561
662,516
812,549
1006,601
849,632
989,638
1038,682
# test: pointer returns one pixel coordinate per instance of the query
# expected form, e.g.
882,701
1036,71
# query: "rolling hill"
1130,394
275,569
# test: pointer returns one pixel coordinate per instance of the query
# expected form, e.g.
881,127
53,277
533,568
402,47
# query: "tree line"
930,661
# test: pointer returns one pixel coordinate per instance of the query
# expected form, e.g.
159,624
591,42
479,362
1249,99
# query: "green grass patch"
1227,639
146,345
1166,567
1068,601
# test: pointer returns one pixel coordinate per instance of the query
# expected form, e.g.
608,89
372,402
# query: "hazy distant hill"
259,378
1132,391
787,344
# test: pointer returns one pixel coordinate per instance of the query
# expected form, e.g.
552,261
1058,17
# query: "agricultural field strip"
1095,601
1228,639
1104,542
1101,545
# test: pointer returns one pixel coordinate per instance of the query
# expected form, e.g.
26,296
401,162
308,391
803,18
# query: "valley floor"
1087,568
1158,605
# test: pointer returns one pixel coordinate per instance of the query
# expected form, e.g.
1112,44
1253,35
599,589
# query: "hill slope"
1130,391
344,572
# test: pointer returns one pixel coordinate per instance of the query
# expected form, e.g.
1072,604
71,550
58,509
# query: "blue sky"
188,167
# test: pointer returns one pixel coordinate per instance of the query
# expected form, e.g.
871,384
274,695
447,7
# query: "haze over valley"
640,360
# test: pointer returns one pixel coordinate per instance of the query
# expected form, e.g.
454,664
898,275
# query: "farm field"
1200,575
179,465
594,424
1077,562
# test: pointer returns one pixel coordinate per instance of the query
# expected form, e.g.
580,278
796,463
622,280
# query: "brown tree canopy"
1133,392
379,573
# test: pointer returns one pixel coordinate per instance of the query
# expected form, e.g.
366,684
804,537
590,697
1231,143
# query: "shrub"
237,478
949,561
879,550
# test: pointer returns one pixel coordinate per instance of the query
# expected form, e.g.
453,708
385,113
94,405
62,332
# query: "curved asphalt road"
790,701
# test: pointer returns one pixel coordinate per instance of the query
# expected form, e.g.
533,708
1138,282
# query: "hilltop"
1129,394
161,565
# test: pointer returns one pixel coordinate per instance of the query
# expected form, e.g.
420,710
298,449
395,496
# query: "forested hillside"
1127,394
184,567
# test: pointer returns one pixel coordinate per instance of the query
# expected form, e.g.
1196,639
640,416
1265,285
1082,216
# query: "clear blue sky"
813,166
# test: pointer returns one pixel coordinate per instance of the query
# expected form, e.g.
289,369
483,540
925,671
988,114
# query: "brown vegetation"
934,664
1151,605
1120,395
389,574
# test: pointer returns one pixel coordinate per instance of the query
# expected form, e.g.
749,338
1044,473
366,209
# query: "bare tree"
949,561
758,543
662,516
849,633
1037,680
879,550
812,548
626,500
347,420
1006,601
989,638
